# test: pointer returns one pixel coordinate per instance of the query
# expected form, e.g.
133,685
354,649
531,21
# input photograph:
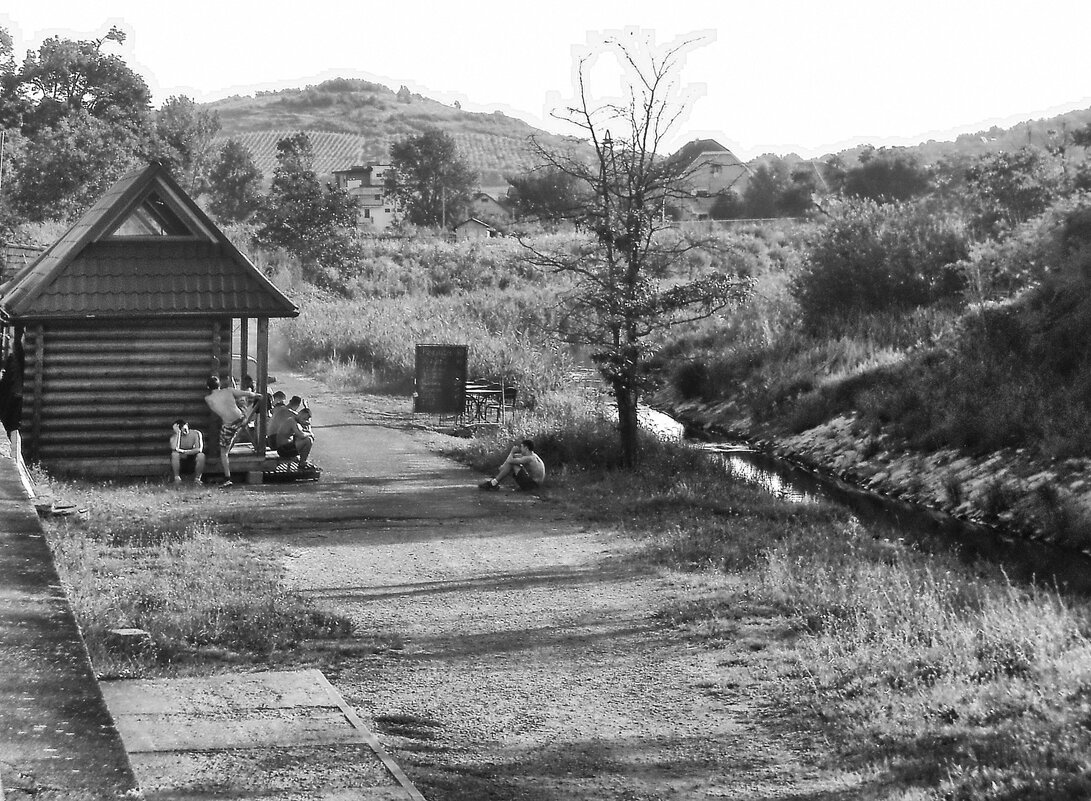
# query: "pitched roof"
145,247
474,221
689,152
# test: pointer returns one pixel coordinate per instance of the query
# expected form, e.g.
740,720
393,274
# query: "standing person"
224,401
11,399
523,465
249,409
187,450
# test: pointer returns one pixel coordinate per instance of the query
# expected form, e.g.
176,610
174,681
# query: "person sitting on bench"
186,451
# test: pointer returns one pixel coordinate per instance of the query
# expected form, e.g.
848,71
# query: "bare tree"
629,285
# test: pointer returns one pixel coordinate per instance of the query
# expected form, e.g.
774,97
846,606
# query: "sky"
773,76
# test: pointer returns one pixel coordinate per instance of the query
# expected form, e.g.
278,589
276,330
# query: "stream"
1022,559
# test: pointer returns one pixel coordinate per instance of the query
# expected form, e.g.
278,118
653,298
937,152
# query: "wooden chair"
504,400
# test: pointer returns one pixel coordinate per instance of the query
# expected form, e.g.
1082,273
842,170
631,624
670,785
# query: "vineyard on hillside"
491,155
355,122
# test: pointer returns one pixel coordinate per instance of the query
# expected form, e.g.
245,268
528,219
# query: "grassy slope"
355,122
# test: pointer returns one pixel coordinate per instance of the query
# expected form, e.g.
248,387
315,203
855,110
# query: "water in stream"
1022,559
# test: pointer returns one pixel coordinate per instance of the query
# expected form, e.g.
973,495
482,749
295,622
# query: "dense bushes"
880,257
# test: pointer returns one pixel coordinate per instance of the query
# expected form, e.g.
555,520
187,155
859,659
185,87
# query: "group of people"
289,430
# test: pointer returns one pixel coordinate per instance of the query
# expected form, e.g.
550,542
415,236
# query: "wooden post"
244,347
262,380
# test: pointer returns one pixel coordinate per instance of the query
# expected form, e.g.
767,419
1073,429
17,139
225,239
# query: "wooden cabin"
124,319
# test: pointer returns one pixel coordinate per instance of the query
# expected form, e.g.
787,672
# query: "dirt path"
534,666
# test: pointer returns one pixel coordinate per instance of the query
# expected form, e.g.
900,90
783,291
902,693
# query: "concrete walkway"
273,736
57,740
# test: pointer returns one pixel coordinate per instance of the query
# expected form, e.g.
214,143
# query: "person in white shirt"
524,466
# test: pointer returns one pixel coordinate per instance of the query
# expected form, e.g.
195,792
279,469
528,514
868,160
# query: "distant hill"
1044,133
353,121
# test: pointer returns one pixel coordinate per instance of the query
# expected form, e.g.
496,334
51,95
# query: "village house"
707,170
367,183
487,208
474,228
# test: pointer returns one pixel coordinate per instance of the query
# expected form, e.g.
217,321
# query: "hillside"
1046,133
354,122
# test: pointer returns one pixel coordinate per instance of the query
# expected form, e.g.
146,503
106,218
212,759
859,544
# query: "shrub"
872,258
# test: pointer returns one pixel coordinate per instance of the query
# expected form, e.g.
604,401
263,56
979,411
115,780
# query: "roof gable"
121,257
689,152
474,221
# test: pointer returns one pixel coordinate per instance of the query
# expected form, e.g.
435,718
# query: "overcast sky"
804,76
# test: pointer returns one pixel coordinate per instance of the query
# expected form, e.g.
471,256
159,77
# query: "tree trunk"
627,424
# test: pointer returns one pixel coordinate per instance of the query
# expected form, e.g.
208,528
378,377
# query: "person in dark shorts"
524,466
187,451
224,401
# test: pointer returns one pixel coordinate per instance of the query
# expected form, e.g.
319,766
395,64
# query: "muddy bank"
1008,489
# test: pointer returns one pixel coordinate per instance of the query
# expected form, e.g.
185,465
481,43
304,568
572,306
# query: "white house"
367,183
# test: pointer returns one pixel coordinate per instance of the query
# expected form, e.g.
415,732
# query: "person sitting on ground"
523,465
290,439
224,401
187,451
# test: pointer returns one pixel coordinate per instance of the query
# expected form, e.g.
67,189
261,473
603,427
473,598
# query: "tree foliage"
548,194
67,76
81,117
234,183
315,223
775,189
184,134
431,183
628,290
871,258
886,175
1005,189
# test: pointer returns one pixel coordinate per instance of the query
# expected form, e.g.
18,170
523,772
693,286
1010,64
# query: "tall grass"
426,290
944,679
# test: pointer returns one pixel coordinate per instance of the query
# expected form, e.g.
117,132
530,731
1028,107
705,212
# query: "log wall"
110,389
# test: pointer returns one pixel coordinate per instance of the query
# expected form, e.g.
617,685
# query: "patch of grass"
146,557
949,680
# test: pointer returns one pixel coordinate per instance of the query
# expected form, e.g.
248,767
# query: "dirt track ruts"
533,665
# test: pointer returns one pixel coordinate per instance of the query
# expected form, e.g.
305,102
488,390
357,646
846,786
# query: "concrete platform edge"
372,741
40,596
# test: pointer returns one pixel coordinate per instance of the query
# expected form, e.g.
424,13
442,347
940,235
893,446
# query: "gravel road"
533,664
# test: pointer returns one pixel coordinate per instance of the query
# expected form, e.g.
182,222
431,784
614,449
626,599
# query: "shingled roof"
146,249
688,153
